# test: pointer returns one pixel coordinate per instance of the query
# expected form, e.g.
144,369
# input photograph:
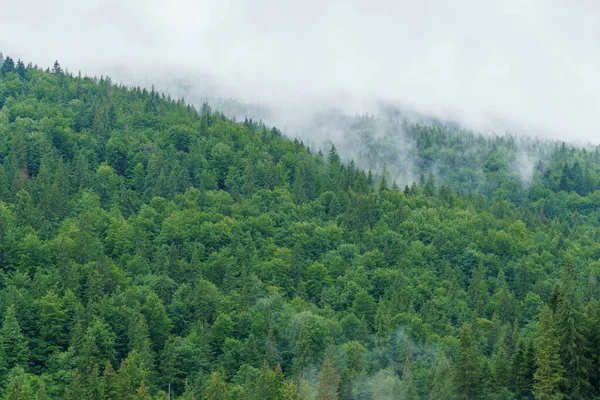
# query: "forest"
150,249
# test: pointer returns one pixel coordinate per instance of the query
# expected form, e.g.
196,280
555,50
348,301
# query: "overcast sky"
530,66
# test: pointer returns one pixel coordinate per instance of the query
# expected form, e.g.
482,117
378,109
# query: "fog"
527,67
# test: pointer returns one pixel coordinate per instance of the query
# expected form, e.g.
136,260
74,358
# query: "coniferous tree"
327,383
522,367
187,394
18,386
570,323
13,343
76,389
549,375
109,383
468,366
593,339
7,66
267,384
501,368
442,386
217,388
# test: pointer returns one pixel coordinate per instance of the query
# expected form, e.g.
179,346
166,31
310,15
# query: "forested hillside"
148,247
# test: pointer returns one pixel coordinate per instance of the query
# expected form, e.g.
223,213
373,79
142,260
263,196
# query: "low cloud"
519,66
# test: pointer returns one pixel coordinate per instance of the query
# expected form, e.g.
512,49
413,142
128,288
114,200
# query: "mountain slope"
145,245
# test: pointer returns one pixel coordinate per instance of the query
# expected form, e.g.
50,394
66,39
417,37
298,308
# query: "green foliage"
150,249
549,376
327,384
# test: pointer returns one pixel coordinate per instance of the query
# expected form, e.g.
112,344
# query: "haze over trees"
147,246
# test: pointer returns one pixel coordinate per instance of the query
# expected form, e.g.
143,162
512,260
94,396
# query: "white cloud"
530,66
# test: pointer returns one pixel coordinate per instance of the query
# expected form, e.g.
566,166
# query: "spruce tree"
549,376
76,389
468,367
522,367
409,391
501,371
142,393
442,386
570,322
267,384
187,394
327,383
383,184
109,382
217,388
13,343
18,385
593,339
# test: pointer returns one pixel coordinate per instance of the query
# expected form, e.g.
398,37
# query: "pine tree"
187,394
109,383
442,386
593,339
139,340
334,158
266,383
76,389
522,367
142,393
7,66
19,386
13,343
478,290
570,322
57,69
429,187
288,391
217,388
383,184
468,378
501,371
41,393
327,383
93,385
549,375
370,179
409,391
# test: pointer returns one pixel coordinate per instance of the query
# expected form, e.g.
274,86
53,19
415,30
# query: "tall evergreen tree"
571,325
217,388
468,366
501,368
327,383
522,367
442,386
13,343
549,376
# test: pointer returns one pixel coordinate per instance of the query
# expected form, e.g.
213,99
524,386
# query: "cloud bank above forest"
523,66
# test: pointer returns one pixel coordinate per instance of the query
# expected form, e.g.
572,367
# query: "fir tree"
522,367
468,369
187,394
327,383
501,371
267,385
442,386
76,389
571,326
217,388
13,343
549,375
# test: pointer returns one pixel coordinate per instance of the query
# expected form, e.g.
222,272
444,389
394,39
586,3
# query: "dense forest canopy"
148,247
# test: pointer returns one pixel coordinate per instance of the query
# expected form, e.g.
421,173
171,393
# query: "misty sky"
527,66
